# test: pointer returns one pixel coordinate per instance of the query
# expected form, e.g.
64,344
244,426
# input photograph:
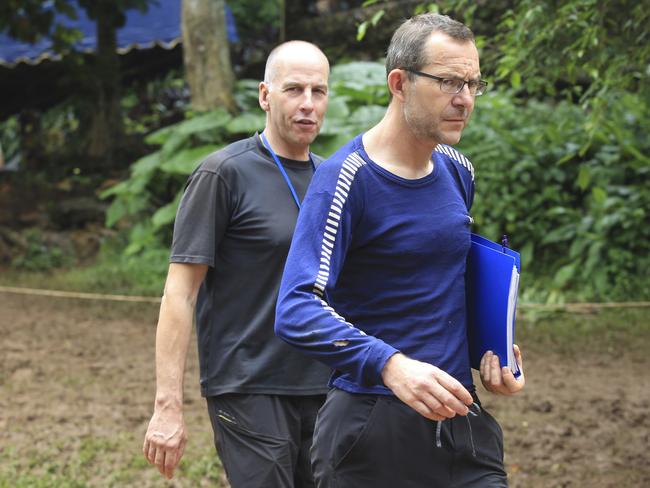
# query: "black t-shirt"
237,216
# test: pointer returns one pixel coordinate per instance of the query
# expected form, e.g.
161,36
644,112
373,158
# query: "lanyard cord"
284,173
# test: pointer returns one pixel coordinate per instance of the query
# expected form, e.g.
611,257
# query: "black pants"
377,441
263,440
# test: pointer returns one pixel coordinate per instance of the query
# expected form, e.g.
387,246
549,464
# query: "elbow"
280,326
279,329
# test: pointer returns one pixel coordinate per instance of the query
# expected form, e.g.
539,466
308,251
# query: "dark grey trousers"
377,441
263,441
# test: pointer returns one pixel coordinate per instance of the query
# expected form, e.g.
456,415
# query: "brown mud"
73,370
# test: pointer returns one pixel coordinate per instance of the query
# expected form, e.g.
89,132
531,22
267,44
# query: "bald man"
231,238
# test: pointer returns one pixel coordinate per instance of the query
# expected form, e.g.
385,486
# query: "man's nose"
307,102
464,98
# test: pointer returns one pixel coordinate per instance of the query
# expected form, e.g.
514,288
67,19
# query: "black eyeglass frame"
481,85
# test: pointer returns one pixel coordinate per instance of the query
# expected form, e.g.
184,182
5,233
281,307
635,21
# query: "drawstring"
469,425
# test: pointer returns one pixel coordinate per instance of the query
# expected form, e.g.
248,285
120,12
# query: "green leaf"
173,144
584,177
515,79
361,30
182,130
115,212
599,195
185,161
377,17
205,122
365,117
564,275
166,214
247,123
145,165
160,136
336,118
118,189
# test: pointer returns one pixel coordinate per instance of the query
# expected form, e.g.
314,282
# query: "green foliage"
253,16
40,256
149,105
581,47
578,215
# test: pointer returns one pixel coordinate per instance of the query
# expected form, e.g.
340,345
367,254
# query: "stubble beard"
422,126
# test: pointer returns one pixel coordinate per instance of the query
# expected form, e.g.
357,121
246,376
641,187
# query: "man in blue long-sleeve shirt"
374,285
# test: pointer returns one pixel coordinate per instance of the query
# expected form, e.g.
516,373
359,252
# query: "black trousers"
377,441
263,441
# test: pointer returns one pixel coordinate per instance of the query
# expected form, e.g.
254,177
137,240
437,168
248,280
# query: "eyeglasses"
454,85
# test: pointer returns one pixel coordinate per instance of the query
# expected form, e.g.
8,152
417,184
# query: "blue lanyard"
284,173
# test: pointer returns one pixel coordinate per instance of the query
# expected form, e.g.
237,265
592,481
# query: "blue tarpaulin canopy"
160,26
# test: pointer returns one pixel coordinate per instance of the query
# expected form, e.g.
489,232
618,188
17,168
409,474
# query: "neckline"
289,163
411,183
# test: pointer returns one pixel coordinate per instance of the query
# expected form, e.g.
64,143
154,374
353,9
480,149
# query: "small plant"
41,255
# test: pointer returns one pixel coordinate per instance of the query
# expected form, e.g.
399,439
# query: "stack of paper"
492,282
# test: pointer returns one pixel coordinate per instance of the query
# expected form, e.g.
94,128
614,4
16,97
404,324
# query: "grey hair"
271,61
406,49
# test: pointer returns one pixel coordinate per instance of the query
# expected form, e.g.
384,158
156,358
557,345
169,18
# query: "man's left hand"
500,380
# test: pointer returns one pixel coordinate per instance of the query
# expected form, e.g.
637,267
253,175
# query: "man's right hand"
164,442
430,391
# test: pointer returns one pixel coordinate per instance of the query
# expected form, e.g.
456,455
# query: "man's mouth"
306,122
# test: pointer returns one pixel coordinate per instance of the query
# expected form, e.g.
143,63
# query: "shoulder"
456,158
229,156
346,161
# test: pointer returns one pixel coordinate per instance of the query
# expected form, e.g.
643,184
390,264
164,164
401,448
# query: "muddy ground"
77,384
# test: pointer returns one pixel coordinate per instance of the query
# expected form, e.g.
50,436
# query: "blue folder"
492,282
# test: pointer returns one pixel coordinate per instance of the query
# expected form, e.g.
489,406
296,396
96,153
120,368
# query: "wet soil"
74,370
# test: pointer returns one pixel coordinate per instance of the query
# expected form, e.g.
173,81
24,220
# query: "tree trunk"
206,55
106,123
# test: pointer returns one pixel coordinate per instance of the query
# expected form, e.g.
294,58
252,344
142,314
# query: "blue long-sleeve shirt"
377,266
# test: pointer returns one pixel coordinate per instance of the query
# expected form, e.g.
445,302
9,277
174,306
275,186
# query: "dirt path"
76,390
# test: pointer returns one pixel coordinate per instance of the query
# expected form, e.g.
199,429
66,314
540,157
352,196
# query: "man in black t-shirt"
231,238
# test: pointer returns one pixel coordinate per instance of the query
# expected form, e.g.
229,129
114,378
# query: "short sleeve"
202,219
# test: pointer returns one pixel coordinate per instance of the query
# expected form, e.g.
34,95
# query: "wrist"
166,401
390,366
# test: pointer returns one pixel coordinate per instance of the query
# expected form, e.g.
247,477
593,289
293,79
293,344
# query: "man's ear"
396,80
263,95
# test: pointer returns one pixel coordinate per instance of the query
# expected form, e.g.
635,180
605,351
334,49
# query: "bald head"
291,50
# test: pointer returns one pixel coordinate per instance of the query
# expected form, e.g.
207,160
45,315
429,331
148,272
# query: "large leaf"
186,160
207,121
145,165
199,123
165,215
247,123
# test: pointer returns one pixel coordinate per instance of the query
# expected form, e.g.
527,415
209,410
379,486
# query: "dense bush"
574,201
576,205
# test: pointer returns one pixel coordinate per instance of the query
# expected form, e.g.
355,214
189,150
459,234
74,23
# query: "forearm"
312,326
174,331
172,341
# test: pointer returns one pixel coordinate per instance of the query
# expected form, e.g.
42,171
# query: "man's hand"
428,390
500,380
164,442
